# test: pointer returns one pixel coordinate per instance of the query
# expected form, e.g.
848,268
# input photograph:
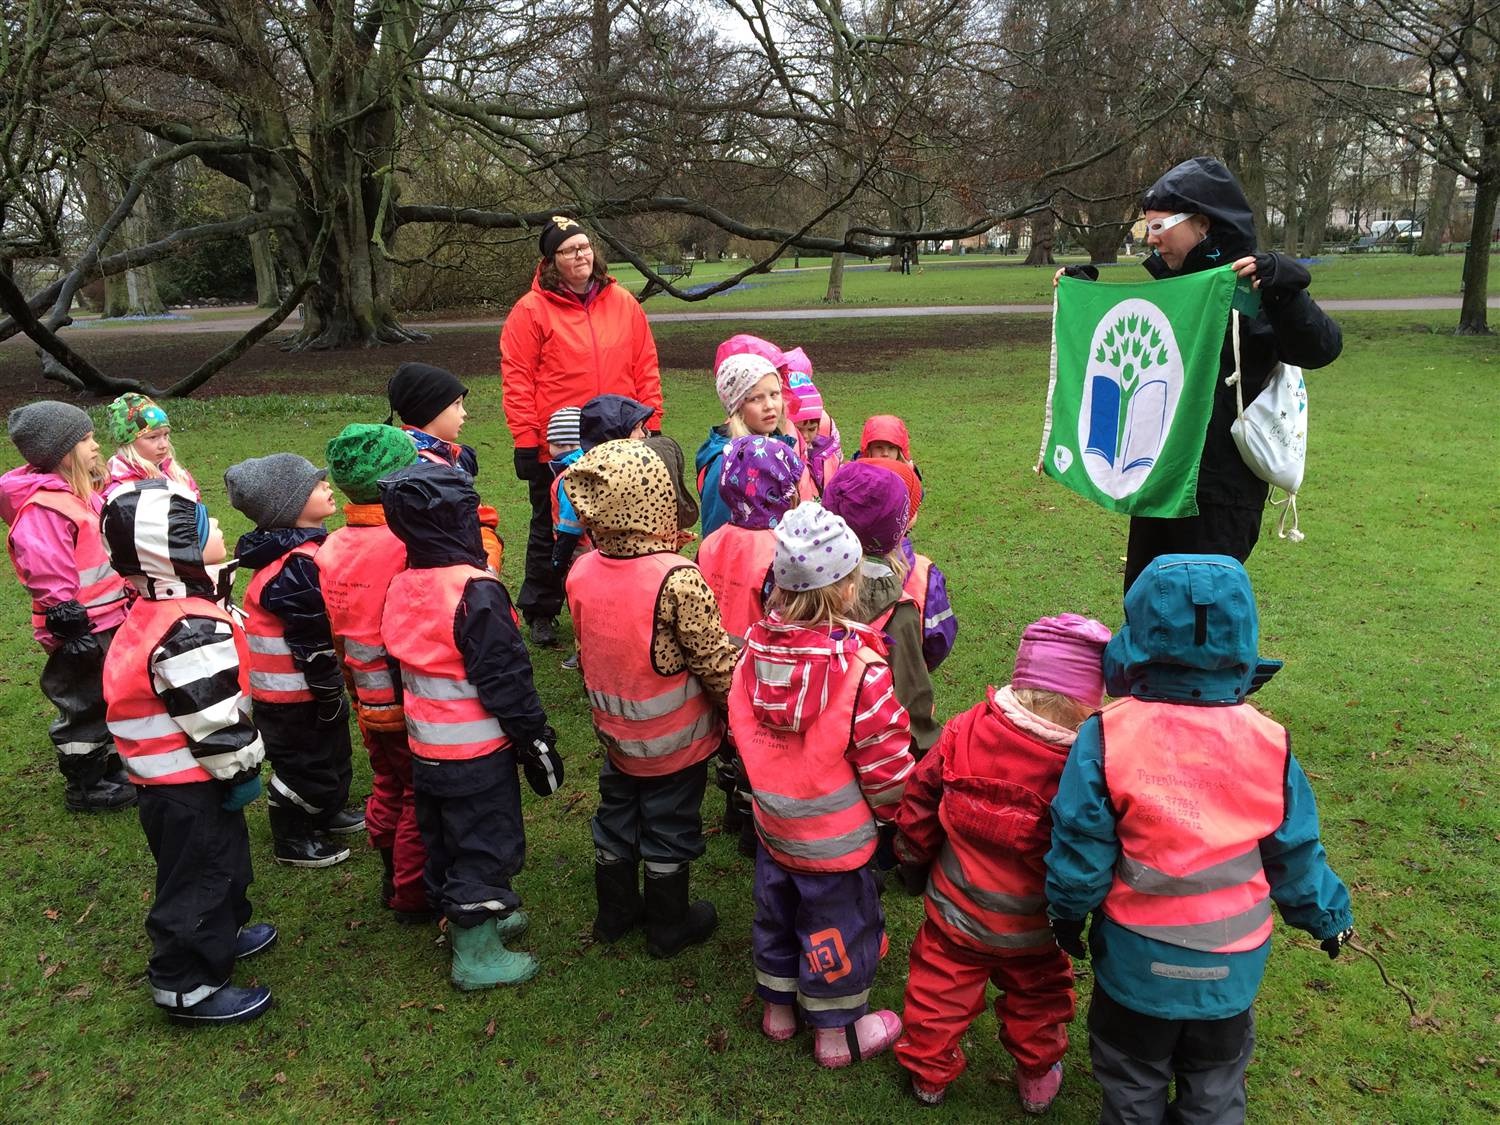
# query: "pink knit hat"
745,344
1064,654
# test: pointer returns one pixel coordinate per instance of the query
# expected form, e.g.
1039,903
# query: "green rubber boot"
480,959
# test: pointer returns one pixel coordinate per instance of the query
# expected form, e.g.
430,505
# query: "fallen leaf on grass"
53,969
279,1078
36,1078
718,1040
79,992
51,914
438,1008
489,1029
410,1004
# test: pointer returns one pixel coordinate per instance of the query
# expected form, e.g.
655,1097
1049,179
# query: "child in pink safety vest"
356,565
758,485
656,664
177,682
976,817
296,683
824,744
142,436
77,600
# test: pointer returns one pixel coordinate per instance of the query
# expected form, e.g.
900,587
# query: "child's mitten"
242,793
542,764
1069,935
1332,945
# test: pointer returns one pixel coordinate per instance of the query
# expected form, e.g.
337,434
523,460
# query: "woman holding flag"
1197,218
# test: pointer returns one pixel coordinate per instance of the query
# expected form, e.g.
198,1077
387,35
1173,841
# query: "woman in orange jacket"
575,335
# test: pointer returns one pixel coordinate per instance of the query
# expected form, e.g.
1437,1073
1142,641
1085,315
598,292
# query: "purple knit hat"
873,502
1064,654
758,481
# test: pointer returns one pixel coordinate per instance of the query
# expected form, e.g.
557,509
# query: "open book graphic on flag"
1132,386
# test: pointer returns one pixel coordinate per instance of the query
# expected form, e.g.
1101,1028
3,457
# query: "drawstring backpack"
1272,434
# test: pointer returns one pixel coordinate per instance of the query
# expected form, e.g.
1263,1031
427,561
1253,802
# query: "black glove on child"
1331,946
542,764
69,623
1081,272
1069,935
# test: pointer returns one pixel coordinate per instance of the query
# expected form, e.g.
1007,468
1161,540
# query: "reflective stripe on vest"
100,590
153,748
1195,790
914,585
810,812
356,565
734,562
993,919
445,720
274,675
649,724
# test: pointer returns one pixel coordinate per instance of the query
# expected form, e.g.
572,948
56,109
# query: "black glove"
542,764
1069,935
563,548
1280,277
326,681
1331,946
885,847
69,623
529,463
1081,272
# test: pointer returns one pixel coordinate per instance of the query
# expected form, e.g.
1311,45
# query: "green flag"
1133,372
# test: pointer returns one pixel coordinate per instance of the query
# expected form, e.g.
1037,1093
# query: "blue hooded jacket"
1190,637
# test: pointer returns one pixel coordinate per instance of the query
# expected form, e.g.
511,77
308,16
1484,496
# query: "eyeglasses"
584,251
1161,226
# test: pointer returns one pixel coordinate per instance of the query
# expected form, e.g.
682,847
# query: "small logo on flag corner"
1062,457
1131,389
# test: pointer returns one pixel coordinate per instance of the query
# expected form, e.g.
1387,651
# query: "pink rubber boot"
865,1037
778,1021
1037,1093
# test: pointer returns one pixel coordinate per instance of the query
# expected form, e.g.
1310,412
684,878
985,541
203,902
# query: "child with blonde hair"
52,505
824,745
750,385
142,436
976,814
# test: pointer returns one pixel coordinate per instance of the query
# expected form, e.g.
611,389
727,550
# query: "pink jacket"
42,545
119,470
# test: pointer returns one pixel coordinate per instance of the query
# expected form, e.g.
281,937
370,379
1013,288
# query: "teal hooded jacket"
1190,637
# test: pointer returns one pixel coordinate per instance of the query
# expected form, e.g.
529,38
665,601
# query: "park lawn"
947,280
1384,616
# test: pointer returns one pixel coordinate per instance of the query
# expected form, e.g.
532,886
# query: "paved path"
245,318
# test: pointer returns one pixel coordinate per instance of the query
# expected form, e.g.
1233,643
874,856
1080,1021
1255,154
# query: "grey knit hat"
562,427
45,432
272,491
814,548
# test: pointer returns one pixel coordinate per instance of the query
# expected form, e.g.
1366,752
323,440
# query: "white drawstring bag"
1272,435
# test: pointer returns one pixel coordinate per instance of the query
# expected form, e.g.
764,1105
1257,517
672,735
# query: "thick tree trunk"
1289,228
1439,210
1103,242
1315,218
1473,318
1043,234
835,291
267,294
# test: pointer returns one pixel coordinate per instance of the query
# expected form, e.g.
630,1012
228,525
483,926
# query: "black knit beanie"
558,230
419,392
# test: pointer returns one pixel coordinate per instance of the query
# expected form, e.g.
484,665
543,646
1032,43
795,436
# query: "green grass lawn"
946,280
1385,616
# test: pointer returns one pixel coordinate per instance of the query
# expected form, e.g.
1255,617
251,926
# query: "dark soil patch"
161,356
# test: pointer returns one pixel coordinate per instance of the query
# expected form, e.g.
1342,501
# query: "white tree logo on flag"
1130,395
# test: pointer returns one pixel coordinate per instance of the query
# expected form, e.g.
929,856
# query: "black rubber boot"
88,787
296,844
617,887
388,876
672,923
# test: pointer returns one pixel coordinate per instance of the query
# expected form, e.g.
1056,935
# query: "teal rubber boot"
480,959
513,924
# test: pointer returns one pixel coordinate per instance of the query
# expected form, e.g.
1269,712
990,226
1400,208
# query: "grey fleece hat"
272,491
46,431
